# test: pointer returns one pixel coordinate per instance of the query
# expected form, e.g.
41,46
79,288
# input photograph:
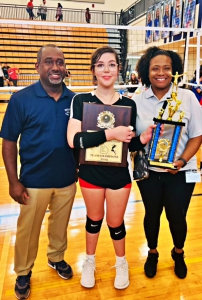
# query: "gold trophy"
162,150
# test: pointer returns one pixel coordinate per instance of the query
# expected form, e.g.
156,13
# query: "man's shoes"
122,276
22,286
150,266
180,266
88,274
63,269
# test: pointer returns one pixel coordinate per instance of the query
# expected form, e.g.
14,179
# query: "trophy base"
162,164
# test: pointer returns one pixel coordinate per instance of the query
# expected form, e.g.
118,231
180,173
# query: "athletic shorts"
88,185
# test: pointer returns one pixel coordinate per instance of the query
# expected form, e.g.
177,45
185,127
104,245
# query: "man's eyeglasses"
111,66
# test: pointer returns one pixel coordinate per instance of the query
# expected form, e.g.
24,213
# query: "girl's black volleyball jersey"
105,176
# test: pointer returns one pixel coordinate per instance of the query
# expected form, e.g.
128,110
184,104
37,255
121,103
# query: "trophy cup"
162,150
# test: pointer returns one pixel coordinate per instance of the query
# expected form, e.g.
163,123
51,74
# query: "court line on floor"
74,208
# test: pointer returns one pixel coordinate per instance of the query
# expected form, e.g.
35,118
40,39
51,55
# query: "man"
40,113
13,75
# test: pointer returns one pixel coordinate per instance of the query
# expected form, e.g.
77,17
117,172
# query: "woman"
133,81
59,15
103,182
165,187
30,7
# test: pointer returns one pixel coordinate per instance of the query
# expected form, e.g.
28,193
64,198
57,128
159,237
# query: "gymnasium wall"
110,5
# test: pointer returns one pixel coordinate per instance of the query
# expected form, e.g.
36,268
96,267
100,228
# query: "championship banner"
189,13
166,18
157,21
149,23
177,16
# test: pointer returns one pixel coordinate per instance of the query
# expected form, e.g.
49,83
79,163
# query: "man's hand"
18,192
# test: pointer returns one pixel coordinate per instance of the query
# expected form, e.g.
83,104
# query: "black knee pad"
118,233
93,226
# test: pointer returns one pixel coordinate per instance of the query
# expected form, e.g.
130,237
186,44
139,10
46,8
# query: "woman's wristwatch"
184,161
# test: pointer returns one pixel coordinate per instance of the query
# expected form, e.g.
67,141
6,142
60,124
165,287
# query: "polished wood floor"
45,283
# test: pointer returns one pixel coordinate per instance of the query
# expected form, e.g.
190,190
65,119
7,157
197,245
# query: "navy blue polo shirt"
40,122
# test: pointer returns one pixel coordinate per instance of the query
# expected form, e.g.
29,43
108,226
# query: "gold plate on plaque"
110,152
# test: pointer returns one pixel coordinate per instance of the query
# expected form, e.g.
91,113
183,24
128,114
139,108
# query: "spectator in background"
43,10
5,71
122,90
29,9
88,15
133,80
59,15
13,75
1,76
68,77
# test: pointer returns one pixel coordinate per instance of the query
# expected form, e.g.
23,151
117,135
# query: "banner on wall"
189,13
177,15
157,21
149,23
166,17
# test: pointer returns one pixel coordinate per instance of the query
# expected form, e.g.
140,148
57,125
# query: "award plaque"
98,117
162,150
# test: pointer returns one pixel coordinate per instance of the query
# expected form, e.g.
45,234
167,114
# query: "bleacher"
20,43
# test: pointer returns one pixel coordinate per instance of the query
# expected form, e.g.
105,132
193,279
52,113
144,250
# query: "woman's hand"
178,164
120,133
146,136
